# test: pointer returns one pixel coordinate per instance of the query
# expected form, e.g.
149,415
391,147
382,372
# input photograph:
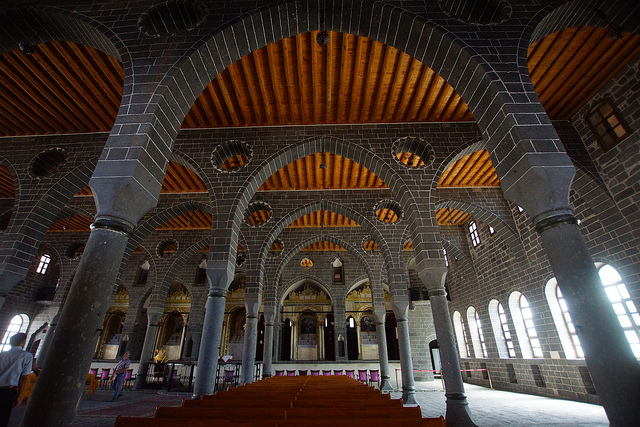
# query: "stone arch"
322,237
289,287
37,220
329,206
471,147
184,160
149,226
159,293
225,46
582,12
509,236
54,23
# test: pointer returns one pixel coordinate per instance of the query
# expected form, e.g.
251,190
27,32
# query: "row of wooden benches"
290,401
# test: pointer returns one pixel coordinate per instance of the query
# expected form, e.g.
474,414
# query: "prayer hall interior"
417,189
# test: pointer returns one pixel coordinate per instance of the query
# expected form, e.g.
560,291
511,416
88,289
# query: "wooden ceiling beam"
212,89
371,80
409,90
346,76
264,80
275,59
362,47
241,93
397,86
248,67
291,77
306,95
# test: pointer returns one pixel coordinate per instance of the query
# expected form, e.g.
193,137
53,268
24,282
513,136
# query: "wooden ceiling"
324,246
569,67
323,218
322,172
451,217
352,79
65,87
62,87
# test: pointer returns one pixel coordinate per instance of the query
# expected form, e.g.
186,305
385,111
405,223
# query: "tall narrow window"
43,264
562,319
622,305
492,230
19,323
525,329
501,331
477,337
473,232
607,124
446,258
463,346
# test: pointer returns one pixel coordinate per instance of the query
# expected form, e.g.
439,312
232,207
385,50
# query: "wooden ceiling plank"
241,93
336,172
463,176
396,90
576,54
317,171
248,67
108,102
371,79
278,82
558,59
413,75
194,117
303,170
110,72
283,174
229,98
291,77
362,47
318,75
600,69
203,111
264,80
330,53
306,96
82,100
212,89
420,97
292,174
389,63
22,84
13,118
346,76
546,69
434,94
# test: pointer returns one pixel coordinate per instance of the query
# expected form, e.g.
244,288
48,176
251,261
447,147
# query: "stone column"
541,188
613,367
147,348
252,302
380,313
210,343
401,310
267,352
44,348
72,345
458,413
340,328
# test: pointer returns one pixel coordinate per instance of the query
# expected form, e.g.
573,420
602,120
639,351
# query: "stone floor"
488,407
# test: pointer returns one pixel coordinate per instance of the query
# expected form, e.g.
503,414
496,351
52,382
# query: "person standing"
119,373
15,367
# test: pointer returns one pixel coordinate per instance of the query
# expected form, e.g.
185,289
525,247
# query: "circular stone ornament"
306,263
412,153
47,163
75,250
257,214
167,248
276,249
370,247
388,211
231,156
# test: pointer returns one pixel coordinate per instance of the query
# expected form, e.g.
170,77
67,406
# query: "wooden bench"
249,413
194,422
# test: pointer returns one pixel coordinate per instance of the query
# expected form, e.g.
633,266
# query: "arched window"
43,264
622,305
474,234
607,124
525,329
562,319
338,270
477,336
461,335
501,331
19,323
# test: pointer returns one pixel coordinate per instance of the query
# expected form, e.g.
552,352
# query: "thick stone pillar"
147,347
613,367
210,343
252,302
380,313
542,189
401,310
46,344
267,353
72,345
